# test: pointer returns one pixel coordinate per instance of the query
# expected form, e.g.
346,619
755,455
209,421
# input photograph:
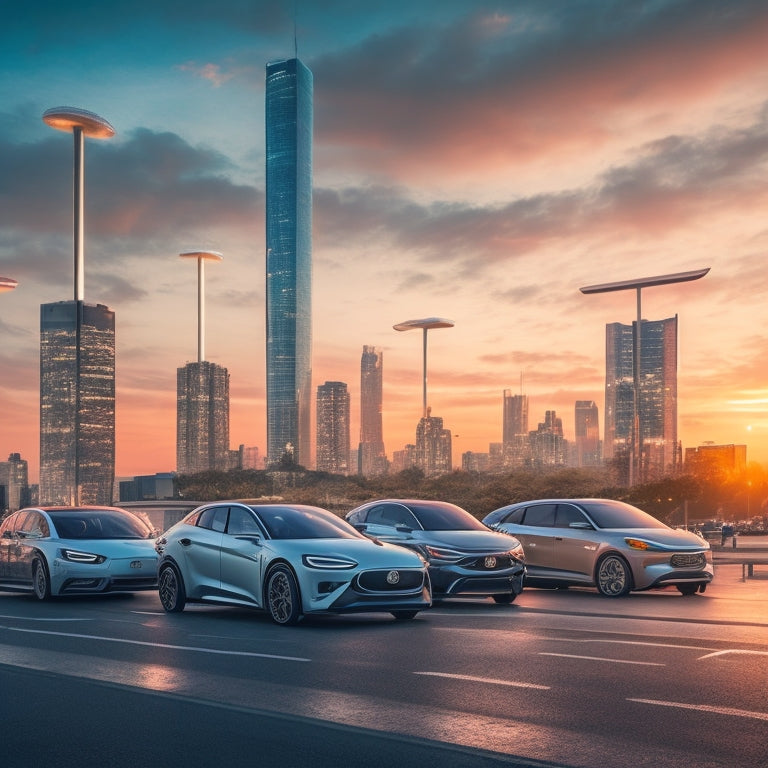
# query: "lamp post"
425,325
201,257
638,284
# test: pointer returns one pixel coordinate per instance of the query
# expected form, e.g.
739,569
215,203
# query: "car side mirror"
403,528
254,538
581,526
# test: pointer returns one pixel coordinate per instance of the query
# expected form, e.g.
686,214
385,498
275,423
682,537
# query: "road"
560,678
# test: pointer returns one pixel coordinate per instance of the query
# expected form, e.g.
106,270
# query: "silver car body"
465,557
54,551
586,541
224,553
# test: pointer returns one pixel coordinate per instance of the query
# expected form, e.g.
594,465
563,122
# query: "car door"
575,542
20,552
536,534
201,548
6,540
242,557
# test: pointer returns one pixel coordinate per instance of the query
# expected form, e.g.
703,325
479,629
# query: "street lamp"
7,284
638,285
425,324
201,257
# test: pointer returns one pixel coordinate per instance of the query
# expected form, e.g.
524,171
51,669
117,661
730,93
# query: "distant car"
605,544
288,559
465,557
51,551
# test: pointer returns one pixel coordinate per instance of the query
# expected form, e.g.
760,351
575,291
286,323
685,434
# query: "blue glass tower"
289,261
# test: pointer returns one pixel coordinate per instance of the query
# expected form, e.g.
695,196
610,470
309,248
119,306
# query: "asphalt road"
560,678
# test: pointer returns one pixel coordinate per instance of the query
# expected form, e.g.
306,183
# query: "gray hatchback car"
603,543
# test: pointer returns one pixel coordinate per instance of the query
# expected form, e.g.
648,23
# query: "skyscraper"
288,110
14,483
433,446
548,446
77,403
333,428
202,417
587,434
657,411
372,459
515,442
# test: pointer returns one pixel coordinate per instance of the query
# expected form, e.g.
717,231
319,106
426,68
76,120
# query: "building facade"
77,403
14,484
202,418
372,458
333,428
587,432
289,116
548,445
515,442
657,406
433,446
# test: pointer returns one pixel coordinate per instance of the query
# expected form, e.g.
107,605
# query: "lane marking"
737,651
158,645
489,680
598,658
705,708
35,618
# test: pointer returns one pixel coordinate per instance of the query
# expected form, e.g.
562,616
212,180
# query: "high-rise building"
288,110
587,434
657,408
77,403
202,417
433,446
372,458
333,428
515,450
548,446
14,483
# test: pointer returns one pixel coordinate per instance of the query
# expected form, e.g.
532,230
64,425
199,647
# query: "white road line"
705,708
734,650
489,680
158,645
598,658
34,618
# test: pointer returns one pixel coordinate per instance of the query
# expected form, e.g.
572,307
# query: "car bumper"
652,574
454,580
132,575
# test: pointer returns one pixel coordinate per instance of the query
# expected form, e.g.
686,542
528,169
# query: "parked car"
605,544
288,559
84,550
465,557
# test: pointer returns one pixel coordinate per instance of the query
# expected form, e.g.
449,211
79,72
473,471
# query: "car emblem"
136,564
490,562
393,577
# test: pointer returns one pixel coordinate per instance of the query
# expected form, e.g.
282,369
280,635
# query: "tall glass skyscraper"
657,411
77,403
372,458
587,434
515,442
333,428
289,261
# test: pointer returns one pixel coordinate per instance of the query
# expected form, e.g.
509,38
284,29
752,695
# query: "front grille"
488,562
694,560
386,581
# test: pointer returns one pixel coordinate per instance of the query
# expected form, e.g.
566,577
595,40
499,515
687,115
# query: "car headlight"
641,544
517,552
439,553
328,562
75,556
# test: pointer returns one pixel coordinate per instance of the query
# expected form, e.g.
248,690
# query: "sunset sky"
473,160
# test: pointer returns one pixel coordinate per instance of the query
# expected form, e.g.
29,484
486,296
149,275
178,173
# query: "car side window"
214,518
392,515
241,521
567,514
7,525
35,526
540,515
515,516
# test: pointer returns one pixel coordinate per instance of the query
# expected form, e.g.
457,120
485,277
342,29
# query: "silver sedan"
52,551
605,544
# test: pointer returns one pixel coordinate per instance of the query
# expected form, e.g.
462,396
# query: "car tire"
404,615
170,585
613,577
505,599
283,599
41,581
688,589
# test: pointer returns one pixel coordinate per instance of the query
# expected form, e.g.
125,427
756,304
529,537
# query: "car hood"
368,552
669,538
111,547
470,541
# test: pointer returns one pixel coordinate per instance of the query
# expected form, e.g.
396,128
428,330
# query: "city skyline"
479,163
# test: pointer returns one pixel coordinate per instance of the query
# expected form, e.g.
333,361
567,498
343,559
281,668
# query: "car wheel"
505,599
41,582
613,577
170,585
283,602
404,615
688,589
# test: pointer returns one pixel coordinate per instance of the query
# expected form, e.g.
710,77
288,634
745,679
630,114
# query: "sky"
474,160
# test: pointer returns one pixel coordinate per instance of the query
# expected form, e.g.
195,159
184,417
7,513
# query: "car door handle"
185,542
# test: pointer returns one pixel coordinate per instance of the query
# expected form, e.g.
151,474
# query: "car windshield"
441,516
98,524
304,523
617,514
